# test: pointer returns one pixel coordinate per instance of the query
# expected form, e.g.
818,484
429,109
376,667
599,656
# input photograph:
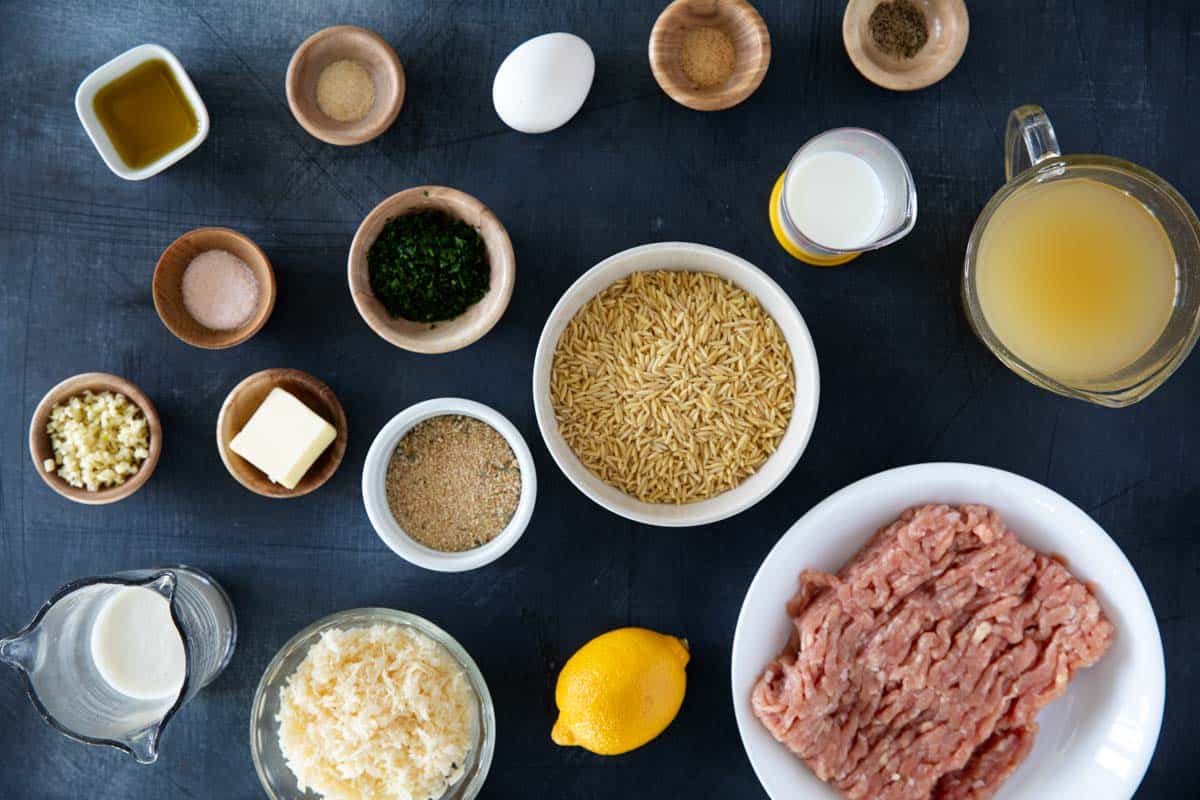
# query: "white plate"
1095,742
700,258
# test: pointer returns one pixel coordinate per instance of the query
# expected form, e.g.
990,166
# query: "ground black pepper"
898,28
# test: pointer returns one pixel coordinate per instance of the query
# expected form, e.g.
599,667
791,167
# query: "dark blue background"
903,379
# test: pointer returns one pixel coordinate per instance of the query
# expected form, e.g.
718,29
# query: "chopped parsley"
428,266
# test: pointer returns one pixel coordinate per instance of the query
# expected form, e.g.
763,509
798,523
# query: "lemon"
620,690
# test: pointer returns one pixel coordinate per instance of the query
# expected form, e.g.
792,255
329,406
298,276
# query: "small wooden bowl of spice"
431,269
274,420
449,484
213,288
905,44
709,55
345,85
95,438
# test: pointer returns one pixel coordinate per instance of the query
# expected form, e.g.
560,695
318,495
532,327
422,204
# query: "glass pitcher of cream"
846,191
110,660
1082,273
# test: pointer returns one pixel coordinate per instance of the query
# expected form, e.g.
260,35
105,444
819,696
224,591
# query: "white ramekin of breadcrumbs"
449,484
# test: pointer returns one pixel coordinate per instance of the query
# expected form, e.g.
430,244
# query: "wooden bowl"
751,43
948,26
167,286
440,337
39,441
244,400
334,44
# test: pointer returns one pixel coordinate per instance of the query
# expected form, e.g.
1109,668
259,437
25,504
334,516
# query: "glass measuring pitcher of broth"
1082,274
109,661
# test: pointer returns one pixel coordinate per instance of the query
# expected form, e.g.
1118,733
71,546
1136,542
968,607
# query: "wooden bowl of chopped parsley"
431,269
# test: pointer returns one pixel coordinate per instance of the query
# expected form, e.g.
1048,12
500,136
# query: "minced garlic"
98,439
382,712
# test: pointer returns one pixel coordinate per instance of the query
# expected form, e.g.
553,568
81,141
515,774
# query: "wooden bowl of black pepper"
709,55
905,45
450,248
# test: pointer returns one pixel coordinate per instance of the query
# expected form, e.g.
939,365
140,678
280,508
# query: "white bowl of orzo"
675,384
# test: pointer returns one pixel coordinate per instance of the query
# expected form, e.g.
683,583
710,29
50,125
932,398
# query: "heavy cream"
136,646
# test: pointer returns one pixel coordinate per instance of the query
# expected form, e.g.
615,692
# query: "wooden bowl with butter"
246,398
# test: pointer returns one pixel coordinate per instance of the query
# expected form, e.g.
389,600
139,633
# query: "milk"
136,646
835,199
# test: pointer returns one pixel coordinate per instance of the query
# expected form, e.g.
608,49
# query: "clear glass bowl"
277,778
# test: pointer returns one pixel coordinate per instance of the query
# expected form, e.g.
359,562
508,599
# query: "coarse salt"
219,290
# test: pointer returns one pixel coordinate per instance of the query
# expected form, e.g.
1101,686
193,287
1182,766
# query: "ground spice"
345,91
898,28
708,57
428,266
219,290
453,483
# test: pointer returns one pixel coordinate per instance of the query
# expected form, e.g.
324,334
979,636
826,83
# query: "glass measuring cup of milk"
1082,274
110,660
846,191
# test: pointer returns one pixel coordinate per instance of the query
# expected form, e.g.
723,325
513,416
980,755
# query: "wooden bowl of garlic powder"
345,85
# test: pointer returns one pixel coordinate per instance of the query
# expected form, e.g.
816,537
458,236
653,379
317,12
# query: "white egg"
543,82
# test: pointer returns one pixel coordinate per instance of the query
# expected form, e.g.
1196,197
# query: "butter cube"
283,438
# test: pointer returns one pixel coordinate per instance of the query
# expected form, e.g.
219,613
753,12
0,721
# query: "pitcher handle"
1028,140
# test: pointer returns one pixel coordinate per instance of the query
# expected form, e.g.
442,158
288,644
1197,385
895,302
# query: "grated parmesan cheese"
381,712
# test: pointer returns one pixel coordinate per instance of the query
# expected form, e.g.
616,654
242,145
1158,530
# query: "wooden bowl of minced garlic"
95,438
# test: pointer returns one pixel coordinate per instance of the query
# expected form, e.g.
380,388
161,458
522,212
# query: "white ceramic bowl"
682,256
375,492
1094,742
105,74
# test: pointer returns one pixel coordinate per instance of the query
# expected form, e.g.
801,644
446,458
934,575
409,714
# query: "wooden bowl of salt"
213,288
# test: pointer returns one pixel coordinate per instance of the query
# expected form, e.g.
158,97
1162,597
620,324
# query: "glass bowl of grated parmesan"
372,703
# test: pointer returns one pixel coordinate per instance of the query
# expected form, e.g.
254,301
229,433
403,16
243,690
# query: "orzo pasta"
672,386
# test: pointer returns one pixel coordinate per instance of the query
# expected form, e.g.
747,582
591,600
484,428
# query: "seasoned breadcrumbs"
453,483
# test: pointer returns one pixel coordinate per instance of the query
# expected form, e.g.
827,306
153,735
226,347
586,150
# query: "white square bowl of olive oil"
142,112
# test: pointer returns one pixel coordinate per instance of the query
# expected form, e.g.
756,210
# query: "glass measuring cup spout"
65,655
19,652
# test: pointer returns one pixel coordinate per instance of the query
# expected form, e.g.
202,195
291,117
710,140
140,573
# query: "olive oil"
1077,278
145,113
